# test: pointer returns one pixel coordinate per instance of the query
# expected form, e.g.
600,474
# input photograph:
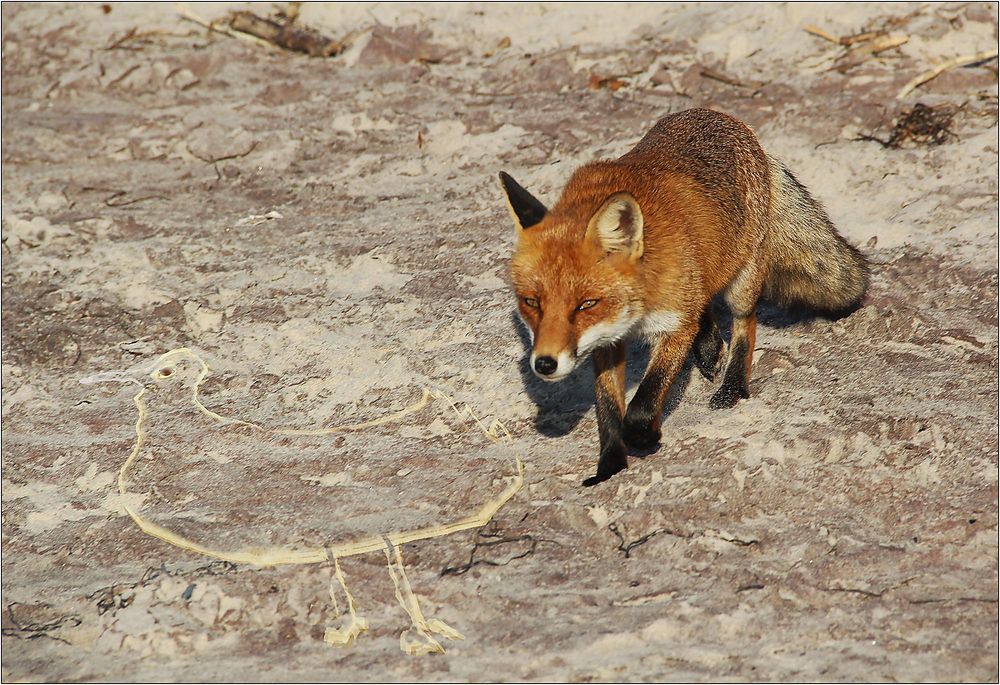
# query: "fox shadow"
561,405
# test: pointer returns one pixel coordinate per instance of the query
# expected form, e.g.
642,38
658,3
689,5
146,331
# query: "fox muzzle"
550,368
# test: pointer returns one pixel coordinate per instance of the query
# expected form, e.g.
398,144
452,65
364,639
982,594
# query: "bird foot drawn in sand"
423,628
344,637
182,493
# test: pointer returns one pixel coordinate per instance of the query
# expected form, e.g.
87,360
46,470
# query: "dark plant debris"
285,34
118,596
495,538
627,548
28,629
923,124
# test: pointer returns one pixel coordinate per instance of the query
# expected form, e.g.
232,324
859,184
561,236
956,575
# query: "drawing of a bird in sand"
235,490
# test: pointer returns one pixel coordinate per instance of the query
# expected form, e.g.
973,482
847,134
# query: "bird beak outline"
110,377
126,376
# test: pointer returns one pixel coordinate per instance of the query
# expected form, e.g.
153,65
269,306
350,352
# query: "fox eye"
531,302
586,304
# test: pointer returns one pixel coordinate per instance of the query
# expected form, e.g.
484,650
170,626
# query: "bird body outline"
183,366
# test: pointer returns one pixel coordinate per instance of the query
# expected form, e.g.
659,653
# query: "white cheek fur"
564,365
659,323
605,333
531,333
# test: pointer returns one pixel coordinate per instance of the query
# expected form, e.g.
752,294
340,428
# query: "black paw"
708,357
729,394
639,435
594,480
610,463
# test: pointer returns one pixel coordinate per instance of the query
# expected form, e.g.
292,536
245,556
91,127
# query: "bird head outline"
180,368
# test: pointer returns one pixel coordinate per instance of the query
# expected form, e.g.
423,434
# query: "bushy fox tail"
809,263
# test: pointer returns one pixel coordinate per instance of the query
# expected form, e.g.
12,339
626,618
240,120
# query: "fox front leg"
609,388
645,411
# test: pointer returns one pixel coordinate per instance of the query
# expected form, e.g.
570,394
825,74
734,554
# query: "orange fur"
641,244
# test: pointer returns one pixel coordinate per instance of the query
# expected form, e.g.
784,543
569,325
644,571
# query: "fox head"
574,272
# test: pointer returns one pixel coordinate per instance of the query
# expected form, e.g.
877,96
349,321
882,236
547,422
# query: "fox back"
692,206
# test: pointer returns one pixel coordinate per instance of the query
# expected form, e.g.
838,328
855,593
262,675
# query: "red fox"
639,246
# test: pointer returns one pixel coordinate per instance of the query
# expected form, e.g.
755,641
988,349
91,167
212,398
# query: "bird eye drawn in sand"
241,492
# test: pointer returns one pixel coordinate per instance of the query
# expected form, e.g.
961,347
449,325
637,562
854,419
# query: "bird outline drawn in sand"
170,388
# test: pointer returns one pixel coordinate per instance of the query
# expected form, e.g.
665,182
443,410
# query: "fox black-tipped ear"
524,207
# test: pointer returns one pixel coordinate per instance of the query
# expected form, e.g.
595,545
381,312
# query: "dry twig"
963,61
285,35
135,40
817,31
862,46
861,37
188,15
729,79
866,50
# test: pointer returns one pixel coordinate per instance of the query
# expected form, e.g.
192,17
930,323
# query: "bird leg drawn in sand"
217,466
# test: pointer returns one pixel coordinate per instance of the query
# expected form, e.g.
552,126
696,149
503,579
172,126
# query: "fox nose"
545,365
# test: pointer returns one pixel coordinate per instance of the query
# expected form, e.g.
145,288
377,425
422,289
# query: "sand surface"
328,235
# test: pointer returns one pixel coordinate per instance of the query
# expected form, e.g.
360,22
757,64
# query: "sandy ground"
329,236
